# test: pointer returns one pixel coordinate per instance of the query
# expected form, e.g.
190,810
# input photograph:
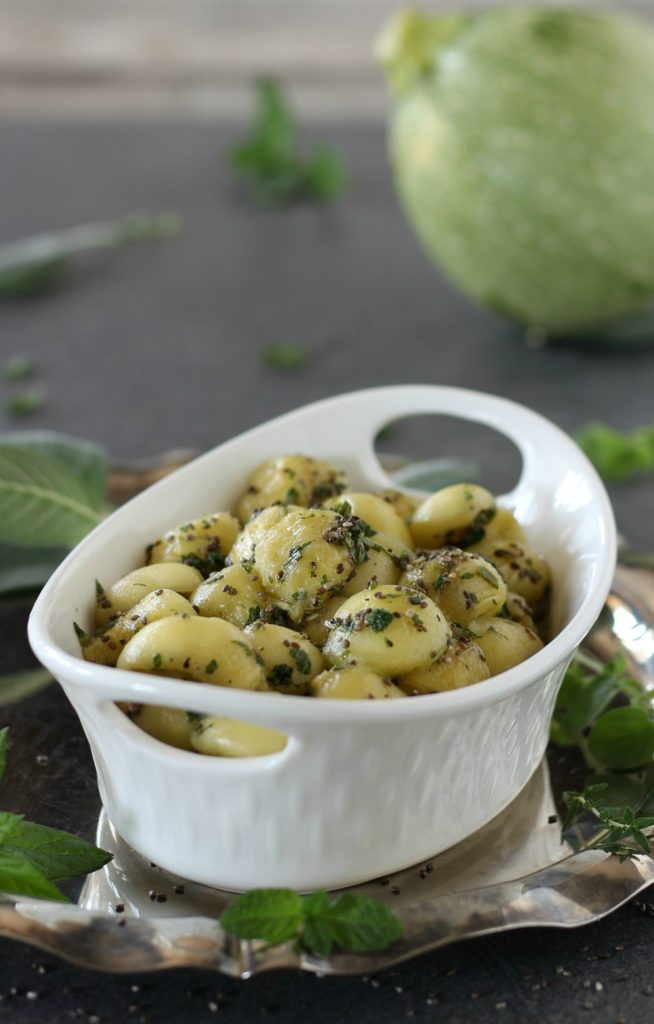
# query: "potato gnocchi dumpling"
354,682
245,545
234,594
374,511
227,737
465,586
524,572
130,589
202,543
314,589
462,663
205,650
289,480
506,643
392,630
306,557
289,659
106,642
453,515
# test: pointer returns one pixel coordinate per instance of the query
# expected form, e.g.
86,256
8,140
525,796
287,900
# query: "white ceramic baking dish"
362,788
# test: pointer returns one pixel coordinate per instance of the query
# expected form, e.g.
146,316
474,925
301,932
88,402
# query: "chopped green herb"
301,659
246,647
254,614
18,368
193,716
156,661
378,619
288,358
294,556
281,674
211,667
24,403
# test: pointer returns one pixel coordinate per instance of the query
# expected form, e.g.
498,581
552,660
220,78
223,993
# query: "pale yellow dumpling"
227,737
202,543
289,659
245,545
234,594
306,557
524,572
104,645
506,643
354,682
205,650
135,585
461,664
376,512
453,515
391,629
316,624
170,725
289,480
464,585
404,504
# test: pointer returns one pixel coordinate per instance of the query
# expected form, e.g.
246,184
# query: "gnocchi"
318,590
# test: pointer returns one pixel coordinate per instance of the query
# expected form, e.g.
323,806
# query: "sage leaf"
42,501
89,462
57,855
272,915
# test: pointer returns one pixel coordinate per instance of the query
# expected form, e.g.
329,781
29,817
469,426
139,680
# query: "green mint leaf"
18,367
271,915
24,403
57,855
8,824
288,358
622,738
617,456
20,877
315,935
360,924
4,735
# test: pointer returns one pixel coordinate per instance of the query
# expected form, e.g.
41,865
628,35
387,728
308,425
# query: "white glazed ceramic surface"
362,788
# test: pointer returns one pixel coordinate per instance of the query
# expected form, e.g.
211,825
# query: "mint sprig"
610,717
33,858
353,922
620,830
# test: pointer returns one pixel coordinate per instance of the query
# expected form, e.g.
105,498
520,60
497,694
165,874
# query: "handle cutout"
432,450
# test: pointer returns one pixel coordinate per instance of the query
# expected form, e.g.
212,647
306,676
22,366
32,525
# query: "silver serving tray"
515,872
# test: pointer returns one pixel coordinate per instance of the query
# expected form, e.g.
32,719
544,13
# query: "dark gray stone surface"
158,347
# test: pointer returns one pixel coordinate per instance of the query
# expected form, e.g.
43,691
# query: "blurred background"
197,58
